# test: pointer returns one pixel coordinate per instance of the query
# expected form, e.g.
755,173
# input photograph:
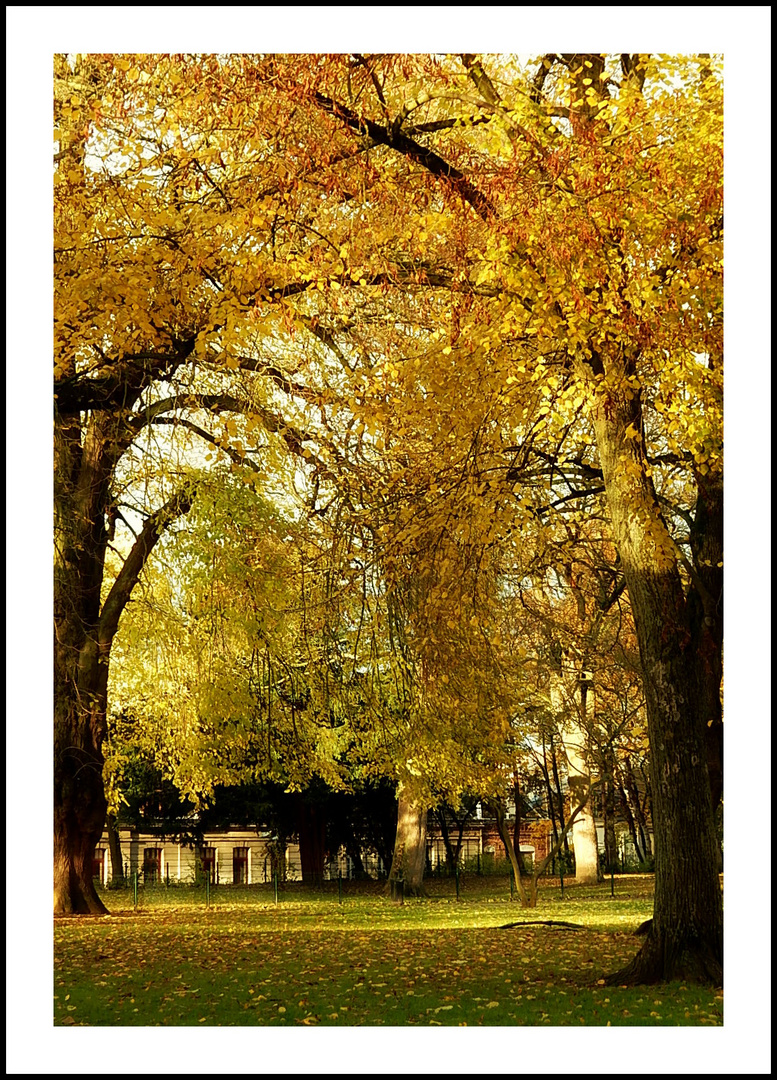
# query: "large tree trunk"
407,866
82,480
686,938
706,619
79,797
76,833
83,635
311,826
584,831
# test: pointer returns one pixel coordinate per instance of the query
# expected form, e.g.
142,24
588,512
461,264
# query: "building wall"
482,838
535,840
180,862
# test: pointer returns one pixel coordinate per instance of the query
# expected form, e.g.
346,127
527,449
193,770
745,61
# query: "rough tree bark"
686,938
407,865
83,635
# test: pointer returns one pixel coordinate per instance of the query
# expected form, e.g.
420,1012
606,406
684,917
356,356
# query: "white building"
236,856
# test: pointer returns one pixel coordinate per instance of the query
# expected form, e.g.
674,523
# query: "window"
208,857
240,865
152,864
98,864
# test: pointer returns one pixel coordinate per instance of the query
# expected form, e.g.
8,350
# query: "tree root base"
662,960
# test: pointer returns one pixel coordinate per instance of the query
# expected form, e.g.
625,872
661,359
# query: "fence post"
457,881
339,887
207,888
135,890
275,885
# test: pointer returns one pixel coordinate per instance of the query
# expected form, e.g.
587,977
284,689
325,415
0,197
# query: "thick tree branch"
155,525
413,150
214,403
131,375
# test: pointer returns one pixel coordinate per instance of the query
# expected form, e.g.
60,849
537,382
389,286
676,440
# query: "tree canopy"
405,363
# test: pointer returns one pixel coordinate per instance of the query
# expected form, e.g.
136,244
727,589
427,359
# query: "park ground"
326,958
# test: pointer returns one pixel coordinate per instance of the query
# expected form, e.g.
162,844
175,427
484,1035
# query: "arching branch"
155,525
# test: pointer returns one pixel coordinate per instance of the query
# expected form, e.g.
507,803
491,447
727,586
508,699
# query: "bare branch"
237,457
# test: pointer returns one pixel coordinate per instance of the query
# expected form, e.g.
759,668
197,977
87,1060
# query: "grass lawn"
314,961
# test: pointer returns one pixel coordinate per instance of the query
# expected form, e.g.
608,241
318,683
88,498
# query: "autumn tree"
362,238
612,307
201,270
146,337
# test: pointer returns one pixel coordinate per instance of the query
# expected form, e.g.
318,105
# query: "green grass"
310,960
